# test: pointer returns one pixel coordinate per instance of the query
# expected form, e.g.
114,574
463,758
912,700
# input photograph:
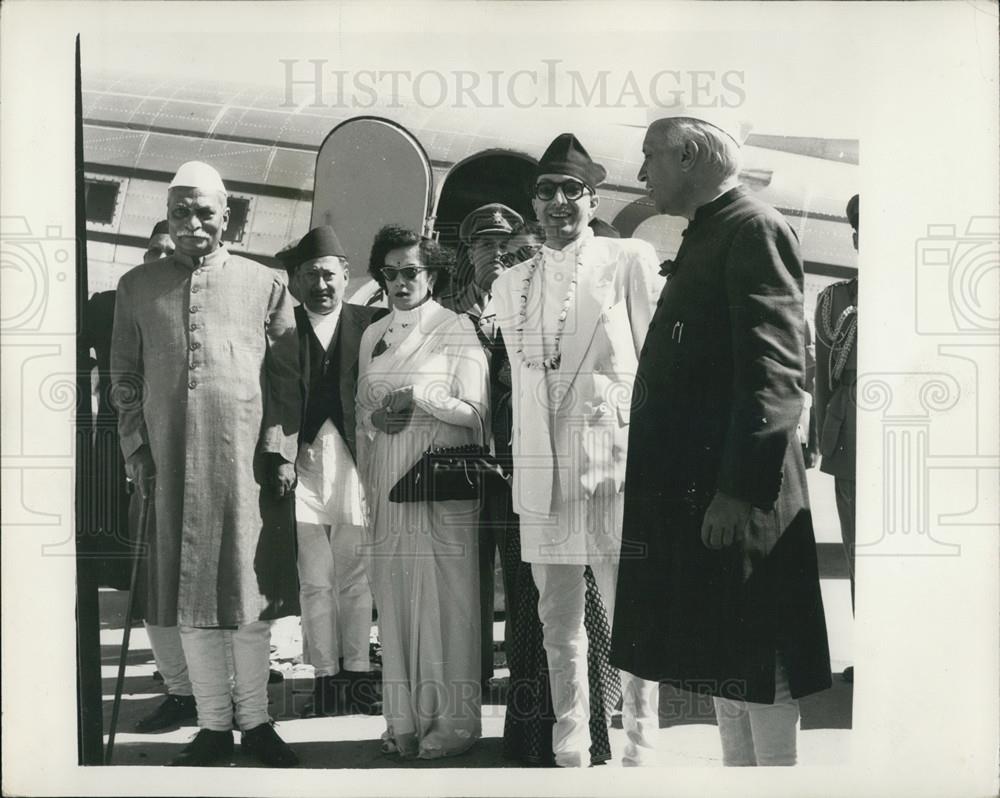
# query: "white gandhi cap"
199,175
729,122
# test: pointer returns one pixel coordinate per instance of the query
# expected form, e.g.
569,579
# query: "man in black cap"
334,592
836,396
724,599
160,244
574,318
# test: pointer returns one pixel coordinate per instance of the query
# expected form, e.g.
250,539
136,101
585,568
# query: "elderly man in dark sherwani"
205,368
718,588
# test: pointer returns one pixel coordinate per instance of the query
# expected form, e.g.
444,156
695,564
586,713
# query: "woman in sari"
422,383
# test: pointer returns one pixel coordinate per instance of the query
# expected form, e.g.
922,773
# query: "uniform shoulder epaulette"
838,284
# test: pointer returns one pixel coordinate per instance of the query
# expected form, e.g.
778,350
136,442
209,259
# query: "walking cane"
140,536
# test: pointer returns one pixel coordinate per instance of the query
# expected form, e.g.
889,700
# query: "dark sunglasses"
571,189
408,272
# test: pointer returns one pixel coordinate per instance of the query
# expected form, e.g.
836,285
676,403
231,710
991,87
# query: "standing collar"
211,259
709,209
573,247
415,314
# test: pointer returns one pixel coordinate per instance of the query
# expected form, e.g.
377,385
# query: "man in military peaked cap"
573,320
836,395
334,590
486,232
725,598
204,363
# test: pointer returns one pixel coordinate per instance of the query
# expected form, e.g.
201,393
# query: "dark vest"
324,386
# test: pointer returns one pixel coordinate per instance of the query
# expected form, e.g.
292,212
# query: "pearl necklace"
551,362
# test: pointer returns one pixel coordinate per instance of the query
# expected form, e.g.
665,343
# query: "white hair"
716,150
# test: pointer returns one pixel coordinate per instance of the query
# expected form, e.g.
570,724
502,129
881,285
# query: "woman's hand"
399,401
390,423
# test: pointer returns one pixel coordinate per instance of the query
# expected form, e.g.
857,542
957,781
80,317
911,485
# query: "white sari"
423,556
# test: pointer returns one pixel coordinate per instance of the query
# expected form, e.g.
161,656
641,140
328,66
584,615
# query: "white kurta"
423,555
329,489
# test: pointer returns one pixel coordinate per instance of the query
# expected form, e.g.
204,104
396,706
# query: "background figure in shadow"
836,396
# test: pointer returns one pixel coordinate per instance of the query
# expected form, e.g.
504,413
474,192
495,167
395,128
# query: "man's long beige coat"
205,370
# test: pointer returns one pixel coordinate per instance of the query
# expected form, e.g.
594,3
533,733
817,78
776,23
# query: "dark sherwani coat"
205,371
717,399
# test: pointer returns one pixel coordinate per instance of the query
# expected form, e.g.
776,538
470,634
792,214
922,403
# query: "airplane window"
239,213
101,199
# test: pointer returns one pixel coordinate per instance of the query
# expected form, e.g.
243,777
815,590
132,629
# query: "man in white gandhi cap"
205,369
723,596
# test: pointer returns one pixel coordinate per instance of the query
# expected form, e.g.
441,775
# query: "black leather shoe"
263,744
327,697
362,694
173,711
208,748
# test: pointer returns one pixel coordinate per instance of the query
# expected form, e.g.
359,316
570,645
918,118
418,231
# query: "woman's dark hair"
432,255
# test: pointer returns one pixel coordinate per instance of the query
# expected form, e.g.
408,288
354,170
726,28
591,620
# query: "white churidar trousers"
227,667
759,734
165,641
561,597
334,591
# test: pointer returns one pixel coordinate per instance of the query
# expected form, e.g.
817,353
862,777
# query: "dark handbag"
451,473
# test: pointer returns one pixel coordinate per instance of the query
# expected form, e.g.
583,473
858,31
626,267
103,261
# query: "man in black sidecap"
160,244
334,592
573,320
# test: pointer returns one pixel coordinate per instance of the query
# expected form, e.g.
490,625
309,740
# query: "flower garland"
551,362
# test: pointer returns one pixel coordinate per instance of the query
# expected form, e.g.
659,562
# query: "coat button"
194,308
195,345
193,384
195,289
193,327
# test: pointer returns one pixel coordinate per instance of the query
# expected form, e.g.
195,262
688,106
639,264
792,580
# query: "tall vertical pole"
90,726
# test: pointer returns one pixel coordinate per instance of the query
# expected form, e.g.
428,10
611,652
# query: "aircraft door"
489,176
370,172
